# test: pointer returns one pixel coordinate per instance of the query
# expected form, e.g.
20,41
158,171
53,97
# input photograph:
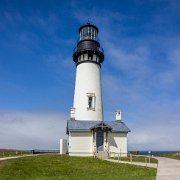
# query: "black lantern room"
88,47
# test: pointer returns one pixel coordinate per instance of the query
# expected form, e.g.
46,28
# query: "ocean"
156,153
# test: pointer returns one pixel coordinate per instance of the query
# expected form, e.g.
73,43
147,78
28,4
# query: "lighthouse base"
83,154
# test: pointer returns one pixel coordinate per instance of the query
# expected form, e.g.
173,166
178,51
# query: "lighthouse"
88,57
88,132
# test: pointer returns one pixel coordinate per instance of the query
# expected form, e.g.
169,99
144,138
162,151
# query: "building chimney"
72,113
118,115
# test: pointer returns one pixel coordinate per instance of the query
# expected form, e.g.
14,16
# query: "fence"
39,151
132,158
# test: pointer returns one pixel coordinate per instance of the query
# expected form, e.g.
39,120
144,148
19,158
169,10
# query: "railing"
96,39
97,155
132,158
118,155
39,151
99,49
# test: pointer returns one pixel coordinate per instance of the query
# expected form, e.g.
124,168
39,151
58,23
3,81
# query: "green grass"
138,159
171,155
65,167
7,153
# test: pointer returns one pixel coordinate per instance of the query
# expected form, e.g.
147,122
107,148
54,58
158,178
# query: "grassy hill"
65,167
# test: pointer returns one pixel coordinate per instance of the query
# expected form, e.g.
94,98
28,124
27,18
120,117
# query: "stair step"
102,155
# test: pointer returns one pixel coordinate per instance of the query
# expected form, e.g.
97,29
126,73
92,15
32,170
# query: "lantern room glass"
88,32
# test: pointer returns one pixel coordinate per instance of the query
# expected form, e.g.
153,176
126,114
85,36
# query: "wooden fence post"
146,162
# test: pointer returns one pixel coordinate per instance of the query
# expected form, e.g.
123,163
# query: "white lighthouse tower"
88,57
88,133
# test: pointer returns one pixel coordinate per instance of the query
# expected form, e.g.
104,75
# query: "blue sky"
140,74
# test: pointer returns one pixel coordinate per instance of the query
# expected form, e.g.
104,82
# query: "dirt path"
13,157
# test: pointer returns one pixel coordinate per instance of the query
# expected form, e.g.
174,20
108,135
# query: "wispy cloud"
171,76
135,62
49,24
38,32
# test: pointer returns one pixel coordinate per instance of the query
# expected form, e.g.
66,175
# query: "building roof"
114,126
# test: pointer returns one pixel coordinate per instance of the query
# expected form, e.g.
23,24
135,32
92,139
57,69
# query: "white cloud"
155,133
28,130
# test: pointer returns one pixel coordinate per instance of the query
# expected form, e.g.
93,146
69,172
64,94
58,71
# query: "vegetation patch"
172,155
10,152
65,167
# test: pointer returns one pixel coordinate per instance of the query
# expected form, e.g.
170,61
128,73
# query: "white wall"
63,146
117,142
88,80
80,144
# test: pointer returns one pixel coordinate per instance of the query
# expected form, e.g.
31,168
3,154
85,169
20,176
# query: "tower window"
91,101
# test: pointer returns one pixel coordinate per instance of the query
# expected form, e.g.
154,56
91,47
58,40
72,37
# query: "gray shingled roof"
114,126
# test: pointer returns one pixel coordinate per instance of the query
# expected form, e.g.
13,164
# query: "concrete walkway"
153,165
168,169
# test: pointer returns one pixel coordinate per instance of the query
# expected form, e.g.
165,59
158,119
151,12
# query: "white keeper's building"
87,131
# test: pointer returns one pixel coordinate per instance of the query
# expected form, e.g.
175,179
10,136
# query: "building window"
91,101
